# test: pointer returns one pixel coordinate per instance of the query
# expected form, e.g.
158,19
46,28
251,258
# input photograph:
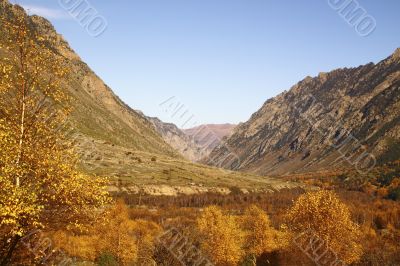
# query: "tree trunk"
254,260
22,121
21,139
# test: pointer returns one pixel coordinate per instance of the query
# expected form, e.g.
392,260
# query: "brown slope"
301,130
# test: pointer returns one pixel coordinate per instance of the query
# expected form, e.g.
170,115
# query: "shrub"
106,259
261,236
394,194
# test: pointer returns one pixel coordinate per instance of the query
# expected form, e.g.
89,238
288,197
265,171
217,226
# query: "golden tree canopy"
261,237
40,186
223,240
327,217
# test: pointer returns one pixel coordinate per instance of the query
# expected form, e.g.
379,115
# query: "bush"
107,259
394,194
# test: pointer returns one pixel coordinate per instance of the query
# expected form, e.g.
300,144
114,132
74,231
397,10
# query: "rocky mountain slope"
98,113
207,137
178,139
349,117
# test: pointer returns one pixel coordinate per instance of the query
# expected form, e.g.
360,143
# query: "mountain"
115,141
349,117
195,143
98,113
207,137
178,139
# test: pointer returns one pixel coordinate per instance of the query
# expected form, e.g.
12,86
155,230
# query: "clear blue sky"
221,58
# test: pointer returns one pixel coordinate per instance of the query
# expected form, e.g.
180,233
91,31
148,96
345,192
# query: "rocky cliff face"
349,117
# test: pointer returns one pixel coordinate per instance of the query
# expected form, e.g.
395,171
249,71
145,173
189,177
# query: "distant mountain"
193,144
177,138
207,137
349,117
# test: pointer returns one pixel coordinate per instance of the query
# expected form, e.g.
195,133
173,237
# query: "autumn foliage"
222,238
325,215
40,186
261,236
127,240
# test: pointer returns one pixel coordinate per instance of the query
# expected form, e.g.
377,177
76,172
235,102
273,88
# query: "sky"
218,61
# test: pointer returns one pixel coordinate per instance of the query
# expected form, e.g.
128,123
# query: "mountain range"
346,118
194,143
113,140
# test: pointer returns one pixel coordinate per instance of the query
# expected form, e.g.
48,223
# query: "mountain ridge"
278,140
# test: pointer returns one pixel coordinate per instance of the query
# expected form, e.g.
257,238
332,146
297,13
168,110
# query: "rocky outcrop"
349,117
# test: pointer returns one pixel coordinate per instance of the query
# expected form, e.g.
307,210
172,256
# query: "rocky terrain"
349,117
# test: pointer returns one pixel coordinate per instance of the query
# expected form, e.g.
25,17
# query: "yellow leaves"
18,205
330,219
52,193
222,238
116,236
129,241
261,237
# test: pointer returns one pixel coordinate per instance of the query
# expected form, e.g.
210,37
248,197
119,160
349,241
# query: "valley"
86,179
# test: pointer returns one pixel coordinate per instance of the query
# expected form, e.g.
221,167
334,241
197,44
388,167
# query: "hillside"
322,123
97,112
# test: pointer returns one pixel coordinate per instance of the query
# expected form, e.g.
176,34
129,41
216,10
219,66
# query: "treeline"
236,197
351,228
382,182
